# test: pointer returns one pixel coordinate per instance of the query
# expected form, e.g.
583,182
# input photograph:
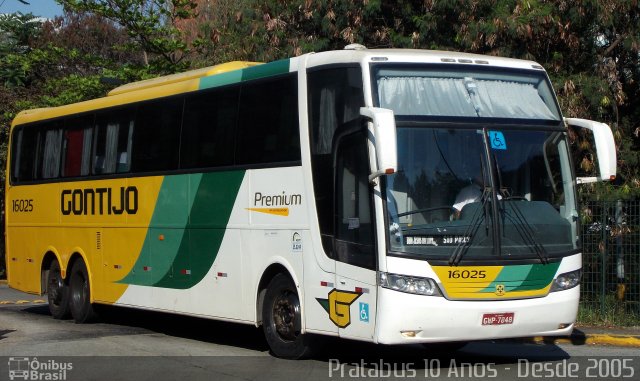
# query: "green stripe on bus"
210,213
191,233
169,219
524,277
221,79
266,70
539,277
253,72
510,277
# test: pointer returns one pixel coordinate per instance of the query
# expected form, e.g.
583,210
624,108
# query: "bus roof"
136,91
180,77
238,71
419,56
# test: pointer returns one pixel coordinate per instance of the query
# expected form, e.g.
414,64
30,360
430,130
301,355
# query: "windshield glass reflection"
439,200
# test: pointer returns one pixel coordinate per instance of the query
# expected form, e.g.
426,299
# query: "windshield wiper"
526,233
519,222
488,192
472,229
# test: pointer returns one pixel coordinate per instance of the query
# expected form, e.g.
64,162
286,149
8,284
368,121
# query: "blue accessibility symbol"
364,312
497,140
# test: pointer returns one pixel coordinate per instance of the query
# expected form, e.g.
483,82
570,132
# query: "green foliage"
152,26
609,313
72,89
16,30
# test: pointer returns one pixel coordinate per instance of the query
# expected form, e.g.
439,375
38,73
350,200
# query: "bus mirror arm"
384,140
605,149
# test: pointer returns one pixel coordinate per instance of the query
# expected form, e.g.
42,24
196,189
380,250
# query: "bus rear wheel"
80,294
57,293
282,320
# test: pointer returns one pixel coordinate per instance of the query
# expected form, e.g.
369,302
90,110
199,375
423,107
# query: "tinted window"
157,135
209,125
354,222
50,151
335,97
76,146
268,122
37,153
26,142
112,141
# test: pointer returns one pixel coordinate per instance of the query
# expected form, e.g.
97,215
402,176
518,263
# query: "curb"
11,302
3,281
580,338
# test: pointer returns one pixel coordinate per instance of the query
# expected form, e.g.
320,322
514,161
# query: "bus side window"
208,127
76,146
157,135
354,243
112,141
334,99
51,150
268,130
25,153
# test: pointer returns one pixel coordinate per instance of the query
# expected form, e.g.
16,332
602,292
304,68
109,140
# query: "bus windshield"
454,167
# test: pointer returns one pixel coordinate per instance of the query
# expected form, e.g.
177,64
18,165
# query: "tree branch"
613,45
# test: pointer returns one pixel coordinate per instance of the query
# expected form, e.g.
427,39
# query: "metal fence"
611,261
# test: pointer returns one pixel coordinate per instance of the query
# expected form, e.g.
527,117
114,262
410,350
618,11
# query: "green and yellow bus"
390,196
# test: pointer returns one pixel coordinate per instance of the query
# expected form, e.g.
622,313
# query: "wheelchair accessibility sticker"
364,312
497,140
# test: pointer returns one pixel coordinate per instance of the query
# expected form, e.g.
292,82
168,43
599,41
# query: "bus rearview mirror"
605,149
384,140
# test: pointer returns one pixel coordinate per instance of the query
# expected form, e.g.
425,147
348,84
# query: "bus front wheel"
57,293
282,320
80,294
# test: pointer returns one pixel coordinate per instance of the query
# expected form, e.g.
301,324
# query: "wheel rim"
286,315
56,285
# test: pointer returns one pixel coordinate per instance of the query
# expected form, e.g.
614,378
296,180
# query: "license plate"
498,319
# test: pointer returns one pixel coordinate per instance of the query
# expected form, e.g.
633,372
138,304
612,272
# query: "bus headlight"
566,281
409,284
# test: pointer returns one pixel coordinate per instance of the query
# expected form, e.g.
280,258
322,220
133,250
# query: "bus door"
353,302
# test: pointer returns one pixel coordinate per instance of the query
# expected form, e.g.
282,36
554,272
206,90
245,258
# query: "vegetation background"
590,48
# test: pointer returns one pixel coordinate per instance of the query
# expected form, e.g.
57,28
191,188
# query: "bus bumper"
407,318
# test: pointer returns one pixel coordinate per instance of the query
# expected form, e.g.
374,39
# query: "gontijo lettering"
100,201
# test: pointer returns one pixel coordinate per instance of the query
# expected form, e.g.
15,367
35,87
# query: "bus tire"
57,293
282,320
80,294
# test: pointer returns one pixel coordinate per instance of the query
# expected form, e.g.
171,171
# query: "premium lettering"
99,201
277,200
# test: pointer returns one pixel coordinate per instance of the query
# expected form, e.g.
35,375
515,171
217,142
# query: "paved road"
140,345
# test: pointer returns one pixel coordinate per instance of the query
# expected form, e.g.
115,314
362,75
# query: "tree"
591,49
151,25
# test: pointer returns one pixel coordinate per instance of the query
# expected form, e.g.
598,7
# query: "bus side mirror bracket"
605,149
384,140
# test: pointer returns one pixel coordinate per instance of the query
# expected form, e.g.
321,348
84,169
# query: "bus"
389,196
